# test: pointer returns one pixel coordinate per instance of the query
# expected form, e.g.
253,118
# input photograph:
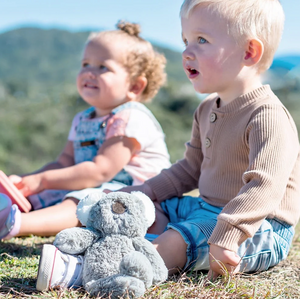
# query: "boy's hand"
221,258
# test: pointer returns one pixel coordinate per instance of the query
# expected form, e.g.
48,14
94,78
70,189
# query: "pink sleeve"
72,132
133,123
116,125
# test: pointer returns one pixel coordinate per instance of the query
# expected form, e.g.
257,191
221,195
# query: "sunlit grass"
19,260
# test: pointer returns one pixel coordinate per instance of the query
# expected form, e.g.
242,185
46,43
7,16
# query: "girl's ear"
254,52
137,87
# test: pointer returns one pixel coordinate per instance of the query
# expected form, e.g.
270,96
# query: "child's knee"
172,248
69,200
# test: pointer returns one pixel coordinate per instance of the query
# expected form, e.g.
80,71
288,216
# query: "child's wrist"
44,182
149,192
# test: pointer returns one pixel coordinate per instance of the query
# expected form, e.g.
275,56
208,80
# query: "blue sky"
159,18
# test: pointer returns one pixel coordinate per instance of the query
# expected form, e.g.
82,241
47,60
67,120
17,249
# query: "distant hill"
284,73
37,56
288,62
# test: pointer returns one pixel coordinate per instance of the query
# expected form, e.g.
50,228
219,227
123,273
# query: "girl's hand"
221,261
28,185
15,179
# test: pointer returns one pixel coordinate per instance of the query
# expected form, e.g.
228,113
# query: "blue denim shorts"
195,220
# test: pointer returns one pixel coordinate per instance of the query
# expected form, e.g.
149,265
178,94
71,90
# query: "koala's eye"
118,208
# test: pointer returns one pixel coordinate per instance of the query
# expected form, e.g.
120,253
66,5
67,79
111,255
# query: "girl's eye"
103,67
202,40
185,42
85,64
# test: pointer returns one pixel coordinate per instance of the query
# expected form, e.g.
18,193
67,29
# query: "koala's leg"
116,286
137,265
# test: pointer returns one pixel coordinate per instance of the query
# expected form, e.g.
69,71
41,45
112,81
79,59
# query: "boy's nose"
188,54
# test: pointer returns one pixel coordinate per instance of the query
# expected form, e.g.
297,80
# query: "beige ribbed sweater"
244,157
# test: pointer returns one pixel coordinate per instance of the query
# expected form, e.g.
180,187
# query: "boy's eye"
85,64
185,41
202,40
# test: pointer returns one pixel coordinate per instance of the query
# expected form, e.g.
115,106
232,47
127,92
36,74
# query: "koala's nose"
118,208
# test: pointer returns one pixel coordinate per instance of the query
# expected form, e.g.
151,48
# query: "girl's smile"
90,85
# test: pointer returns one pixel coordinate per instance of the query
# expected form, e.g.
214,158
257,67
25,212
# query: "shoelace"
78,279
70,275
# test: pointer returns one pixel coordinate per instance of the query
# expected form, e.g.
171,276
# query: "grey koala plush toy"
118,260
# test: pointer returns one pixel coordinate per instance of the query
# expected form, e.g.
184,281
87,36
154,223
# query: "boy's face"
103,81
212,59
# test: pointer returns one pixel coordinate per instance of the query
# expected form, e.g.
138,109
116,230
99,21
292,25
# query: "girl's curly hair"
141,58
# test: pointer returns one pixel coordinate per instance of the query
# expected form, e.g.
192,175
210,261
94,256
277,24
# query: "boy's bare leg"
50,221
169,244
172,248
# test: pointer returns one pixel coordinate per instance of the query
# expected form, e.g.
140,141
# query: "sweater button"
213,117
207,142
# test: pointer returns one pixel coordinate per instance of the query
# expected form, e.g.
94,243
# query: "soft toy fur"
118,260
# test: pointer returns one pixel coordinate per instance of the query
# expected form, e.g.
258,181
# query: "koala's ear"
149,206
85,205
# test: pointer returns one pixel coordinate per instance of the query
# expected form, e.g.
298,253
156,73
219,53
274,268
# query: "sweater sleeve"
182,176
273,150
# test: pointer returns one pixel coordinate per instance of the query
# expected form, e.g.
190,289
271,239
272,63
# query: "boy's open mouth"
192,72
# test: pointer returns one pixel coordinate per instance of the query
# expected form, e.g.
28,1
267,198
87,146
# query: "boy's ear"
254,52
138,86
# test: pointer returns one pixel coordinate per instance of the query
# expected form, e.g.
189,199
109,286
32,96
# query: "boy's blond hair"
140,57
247,19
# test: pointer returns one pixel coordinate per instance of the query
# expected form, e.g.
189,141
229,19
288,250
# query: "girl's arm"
113,155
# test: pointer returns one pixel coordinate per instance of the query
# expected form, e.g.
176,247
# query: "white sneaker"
57,269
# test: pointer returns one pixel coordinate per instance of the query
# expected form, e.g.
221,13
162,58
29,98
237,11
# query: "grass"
19,258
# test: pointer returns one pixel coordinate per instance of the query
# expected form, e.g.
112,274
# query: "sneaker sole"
46,266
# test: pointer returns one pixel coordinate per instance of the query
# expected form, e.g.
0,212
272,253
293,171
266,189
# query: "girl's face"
103,81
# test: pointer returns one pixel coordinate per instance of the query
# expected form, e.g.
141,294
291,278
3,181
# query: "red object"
8,188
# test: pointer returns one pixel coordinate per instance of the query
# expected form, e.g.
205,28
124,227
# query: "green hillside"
38,97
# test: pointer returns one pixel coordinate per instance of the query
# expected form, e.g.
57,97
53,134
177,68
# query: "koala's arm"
75,240
160,271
